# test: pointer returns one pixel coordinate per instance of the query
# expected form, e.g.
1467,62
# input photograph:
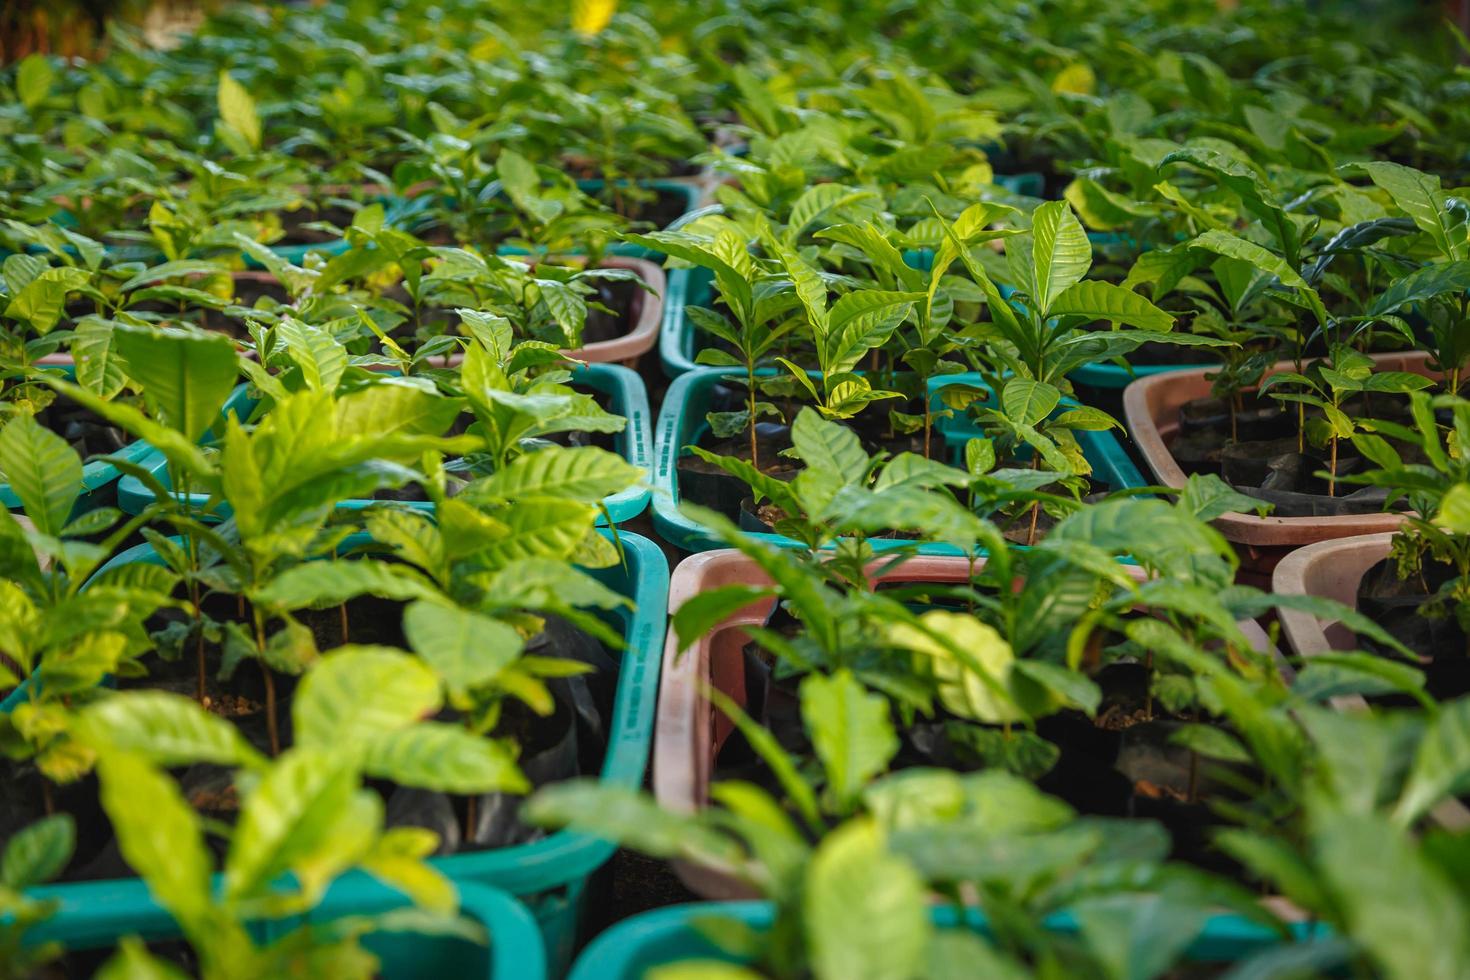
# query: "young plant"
1327,385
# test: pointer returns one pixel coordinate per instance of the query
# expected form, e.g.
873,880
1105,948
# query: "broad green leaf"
159,836
1060,252
1139,936
287,817
167,730
1398,906
332,582
1029,402
865,911
237,111
320,356
1422,284
1105,301
851,732
631,818
1441,764
33,78
39,852
43,471
1420,196
583,473
133,961
41,302
186,375
828,447
444,757
466,649
358,692
98,367
1231,246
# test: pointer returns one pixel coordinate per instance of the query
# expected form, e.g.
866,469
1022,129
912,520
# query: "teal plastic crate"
96,915
626,390
551,874
681,422
665,936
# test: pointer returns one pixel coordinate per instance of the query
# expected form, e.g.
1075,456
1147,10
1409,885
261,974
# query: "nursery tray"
635,444
97,915
550,874
1151,408
666,936
689,732
682,421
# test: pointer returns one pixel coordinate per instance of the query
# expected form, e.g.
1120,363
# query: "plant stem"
928,426
1035,508
270,709
1332,467
46,799
750,403
270,683
471,813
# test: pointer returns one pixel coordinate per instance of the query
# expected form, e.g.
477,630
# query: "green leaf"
98,368
39,852
287,817
166,730
829,448
851,732
1211,742
1060,253
237,111
43,299
322,583
1028,402
320,356
43,471
1441,764
186,375
33,78
701,613
1105,301
583,473
1206,496
357,692
466,649
1139,936
865,911
1397,906
133,961
1432,280
159,836
444,757
632,819
1420,196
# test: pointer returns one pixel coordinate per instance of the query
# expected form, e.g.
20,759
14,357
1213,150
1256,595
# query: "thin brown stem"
1332,467
750,402
342,613
270,709
1148,698
471,815
46,799
1035,508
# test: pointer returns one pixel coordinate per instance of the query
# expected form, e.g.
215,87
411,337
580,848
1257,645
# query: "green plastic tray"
96,915
629,398
550,875
681,422
665,936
